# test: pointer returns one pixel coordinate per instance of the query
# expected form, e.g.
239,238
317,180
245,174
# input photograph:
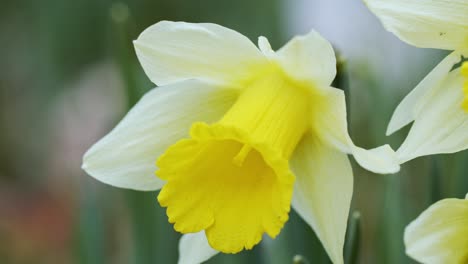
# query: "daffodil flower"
439,104
239,133
440,234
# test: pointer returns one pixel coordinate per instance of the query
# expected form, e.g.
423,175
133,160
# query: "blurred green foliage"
45,45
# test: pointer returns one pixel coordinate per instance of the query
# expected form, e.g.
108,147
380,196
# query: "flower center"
464,72
232,178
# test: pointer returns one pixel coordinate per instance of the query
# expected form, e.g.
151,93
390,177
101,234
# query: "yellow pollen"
240,157
232,178
464,73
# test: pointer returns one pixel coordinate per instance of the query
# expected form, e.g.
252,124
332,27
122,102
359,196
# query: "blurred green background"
68,73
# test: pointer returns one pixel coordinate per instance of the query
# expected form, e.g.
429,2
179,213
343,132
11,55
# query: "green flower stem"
298,259
435,183
142,205
353,239
90,231
342,82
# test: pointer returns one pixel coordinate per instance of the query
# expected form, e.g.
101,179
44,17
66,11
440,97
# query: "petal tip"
381,160
390,129
85,162
309,58
394,125
265,46
84,166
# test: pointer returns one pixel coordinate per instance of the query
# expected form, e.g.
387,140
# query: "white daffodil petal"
442,124
323,192
329,123
265,47
126,156
410,107
440,24
174,51
439,234
382,159
194,249
309,58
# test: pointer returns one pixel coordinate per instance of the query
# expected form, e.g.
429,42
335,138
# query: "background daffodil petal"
308,58
439,234
174,51
440,24
410,107
442,124
126,156
380,160
194,249
329,123
323,191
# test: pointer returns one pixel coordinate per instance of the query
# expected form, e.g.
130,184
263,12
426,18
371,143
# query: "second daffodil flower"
439,104
239,133
440,234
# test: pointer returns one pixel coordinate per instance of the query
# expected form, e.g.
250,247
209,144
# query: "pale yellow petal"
174,51
329,123
309,58
323,191
126,156
265,47
410,106
441,125
440,24
382,159
440,234
194,249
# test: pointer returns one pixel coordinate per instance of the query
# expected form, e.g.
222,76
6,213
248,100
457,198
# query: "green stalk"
90,234
353,239
342,82
435,183
298,259
142,205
